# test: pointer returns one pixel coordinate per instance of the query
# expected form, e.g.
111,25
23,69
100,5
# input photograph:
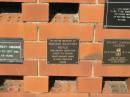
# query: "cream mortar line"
93,4
86,42
29,59
38,33
87,23
37,76
94,33
38,67
97,2
38,1
35,22
93,71
35,41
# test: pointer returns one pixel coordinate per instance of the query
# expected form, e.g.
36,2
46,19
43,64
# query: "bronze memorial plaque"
11,51
116,51
62,51
117,14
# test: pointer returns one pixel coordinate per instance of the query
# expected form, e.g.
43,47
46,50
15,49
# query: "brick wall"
36,22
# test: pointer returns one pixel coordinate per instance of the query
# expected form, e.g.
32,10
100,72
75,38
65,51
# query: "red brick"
18,0
64,95
64,1
112,70
12,94
27,31
110,95
46,1
91,13
84,1
91,51
89,85
102,33
35,12
27,68
34,50
83,32
128,83
36,84
101,1
84,68
70,1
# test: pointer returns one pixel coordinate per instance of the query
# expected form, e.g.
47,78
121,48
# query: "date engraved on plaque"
62,51
11,50
116,51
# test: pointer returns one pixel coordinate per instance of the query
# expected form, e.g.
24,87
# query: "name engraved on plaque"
11,51
117,14
62,51
116,51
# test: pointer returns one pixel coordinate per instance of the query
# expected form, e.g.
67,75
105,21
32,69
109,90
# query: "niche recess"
62,84
10,11
64,12
115,85
11,83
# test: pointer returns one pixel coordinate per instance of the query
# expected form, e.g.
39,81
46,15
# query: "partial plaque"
116,51
62,51
11,51
117,14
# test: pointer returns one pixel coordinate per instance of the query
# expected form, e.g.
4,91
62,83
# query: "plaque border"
65,39
106,25
21,40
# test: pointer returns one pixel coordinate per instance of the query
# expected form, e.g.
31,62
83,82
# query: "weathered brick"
101,1
83,32
85,1
103,33
35,12
91,51
91,13
27,31
29,67
111,70
89,85
36,84
34,50
18,0
84,68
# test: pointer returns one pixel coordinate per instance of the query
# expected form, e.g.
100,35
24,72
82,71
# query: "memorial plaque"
11,51
116,51
62,51
117,14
